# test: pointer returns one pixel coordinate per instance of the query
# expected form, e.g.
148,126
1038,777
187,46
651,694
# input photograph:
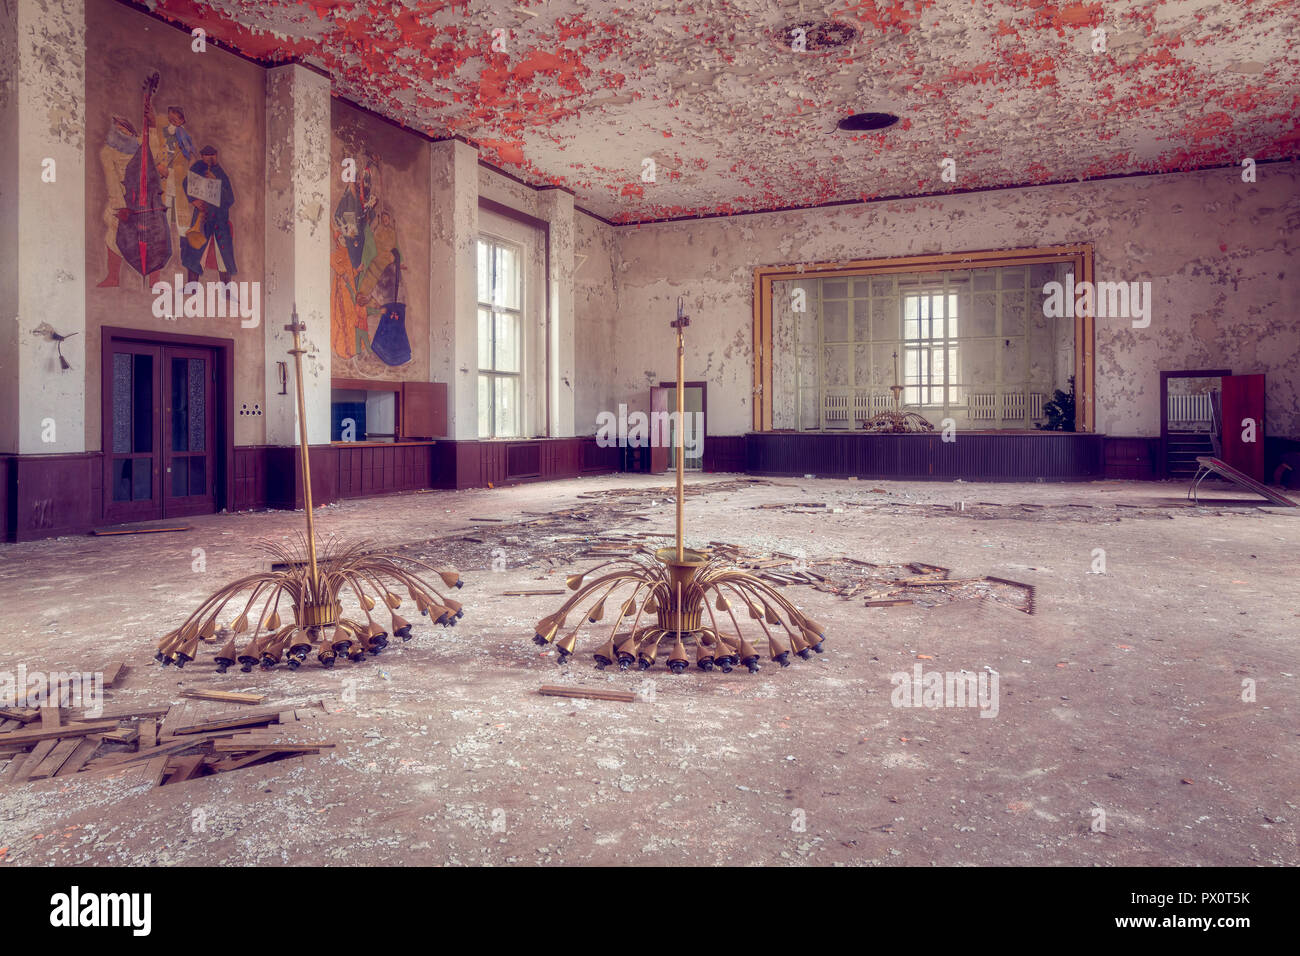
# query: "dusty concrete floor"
1122,693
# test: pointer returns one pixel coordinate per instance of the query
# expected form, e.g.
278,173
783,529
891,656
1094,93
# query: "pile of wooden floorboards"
172,743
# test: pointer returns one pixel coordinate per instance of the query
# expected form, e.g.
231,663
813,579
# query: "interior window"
500,338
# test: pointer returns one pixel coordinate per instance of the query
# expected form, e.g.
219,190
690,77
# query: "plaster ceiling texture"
736,121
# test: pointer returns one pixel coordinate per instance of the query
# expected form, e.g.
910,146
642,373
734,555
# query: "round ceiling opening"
865,122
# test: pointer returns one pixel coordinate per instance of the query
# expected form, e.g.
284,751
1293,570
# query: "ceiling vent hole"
866,122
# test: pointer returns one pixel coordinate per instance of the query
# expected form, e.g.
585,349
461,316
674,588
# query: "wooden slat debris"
588,693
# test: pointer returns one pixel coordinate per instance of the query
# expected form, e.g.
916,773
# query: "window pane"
505,286
484,271
484,338
485,406
506,401
507,342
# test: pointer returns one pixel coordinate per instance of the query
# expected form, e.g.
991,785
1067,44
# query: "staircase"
1182,450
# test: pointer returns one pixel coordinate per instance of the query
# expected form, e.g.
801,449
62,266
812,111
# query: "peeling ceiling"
581,94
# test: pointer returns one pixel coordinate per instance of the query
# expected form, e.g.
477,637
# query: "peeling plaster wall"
1220,255
225,104
43,73
595,307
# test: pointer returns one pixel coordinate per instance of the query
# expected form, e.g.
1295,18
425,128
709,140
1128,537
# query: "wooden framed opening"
166,403
1079,256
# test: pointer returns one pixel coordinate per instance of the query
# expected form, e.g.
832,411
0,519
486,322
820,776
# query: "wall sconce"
47,330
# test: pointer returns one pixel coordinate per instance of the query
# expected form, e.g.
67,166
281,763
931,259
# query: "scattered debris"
622,696
132,738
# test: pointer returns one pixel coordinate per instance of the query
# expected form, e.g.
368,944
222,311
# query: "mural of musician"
208,189
367,298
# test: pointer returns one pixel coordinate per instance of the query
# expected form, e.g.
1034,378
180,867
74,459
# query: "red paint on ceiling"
1013,90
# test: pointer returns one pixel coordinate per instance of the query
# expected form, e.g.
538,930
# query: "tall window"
500,338
930,349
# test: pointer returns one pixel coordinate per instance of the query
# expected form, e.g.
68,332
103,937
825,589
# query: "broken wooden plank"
112,672
57,757
86,748
123,712
589,693
100,533
38,755
229,721
887,603
236,762
72,730
242,742
23,715
148,733
224,696
180,769
50,716
173,746
123,735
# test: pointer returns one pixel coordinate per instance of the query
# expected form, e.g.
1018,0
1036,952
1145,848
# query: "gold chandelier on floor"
672,593
312,590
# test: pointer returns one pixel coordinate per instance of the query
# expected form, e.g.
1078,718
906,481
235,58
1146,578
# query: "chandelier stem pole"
297,352
681,446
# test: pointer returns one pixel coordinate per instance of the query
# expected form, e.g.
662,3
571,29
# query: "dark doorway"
165,426
695,401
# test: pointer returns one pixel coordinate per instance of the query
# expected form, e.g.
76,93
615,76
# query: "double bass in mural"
367,297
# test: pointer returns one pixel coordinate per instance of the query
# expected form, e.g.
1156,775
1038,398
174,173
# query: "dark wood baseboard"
974,456
480,464
45,496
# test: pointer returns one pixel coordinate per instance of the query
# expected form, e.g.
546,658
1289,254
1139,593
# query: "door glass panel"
180,405
121,403
180,475
188,405
140,413
132,479
198,405
199,475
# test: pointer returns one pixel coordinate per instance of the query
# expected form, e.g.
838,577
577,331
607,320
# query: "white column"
556,207
297,247
43,226
453,280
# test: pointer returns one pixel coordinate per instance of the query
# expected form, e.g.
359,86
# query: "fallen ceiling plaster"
737,122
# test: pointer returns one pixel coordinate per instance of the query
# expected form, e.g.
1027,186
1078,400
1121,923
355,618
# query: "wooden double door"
160,431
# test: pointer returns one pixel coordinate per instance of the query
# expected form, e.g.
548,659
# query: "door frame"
1163,470
704,410
223,358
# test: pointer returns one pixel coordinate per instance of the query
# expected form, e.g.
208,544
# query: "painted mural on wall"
167,200
368,298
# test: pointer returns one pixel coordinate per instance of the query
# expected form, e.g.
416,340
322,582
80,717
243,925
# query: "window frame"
1079,255
493,373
